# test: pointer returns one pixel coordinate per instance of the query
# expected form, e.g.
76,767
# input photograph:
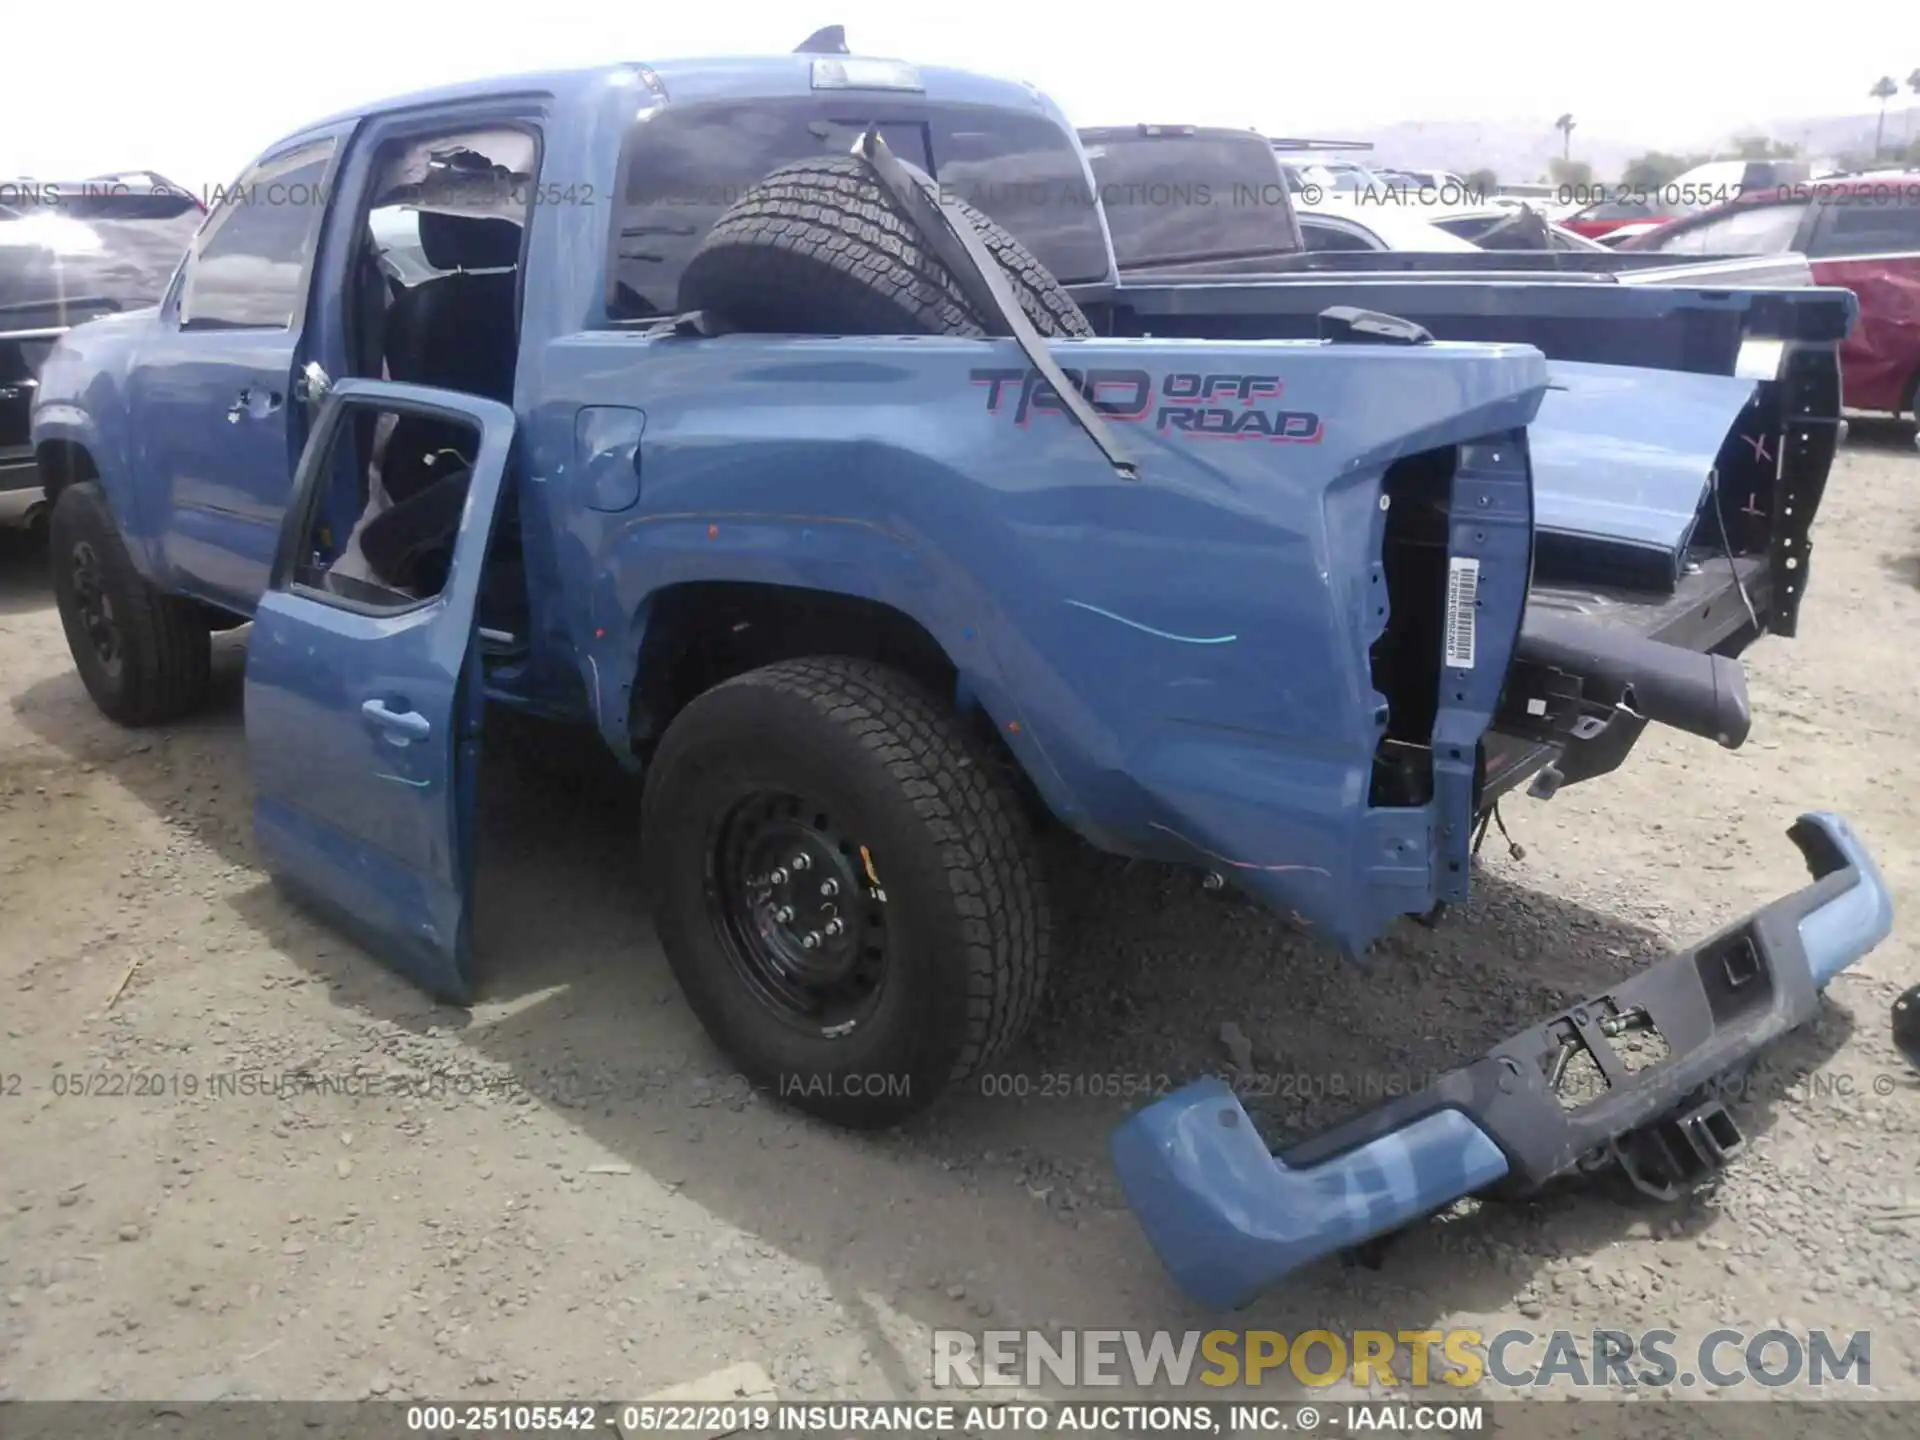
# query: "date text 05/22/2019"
920,1418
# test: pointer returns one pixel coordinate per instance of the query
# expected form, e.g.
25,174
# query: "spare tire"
821,247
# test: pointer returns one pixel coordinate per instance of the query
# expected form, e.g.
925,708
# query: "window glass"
398,550
1744,230
1623,208
1190,197
1872,221
687,163
1320,236
248,266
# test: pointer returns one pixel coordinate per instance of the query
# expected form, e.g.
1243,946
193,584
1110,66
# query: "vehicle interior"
434,301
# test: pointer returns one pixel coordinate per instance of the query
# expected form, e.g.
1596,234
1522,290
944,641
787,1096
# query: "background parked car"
1861,232
1636,210
1336,223
71,250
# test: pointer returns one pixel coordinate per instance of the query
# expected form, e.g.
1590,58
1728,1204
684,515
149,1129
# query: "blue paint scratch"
1148,629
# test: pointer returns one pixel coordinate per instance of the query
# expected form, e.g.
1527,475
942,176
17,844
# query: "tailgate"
1695,534
1623,462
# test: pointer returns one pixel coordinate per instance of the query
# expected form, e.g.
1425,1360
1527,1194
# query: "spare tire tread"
820,247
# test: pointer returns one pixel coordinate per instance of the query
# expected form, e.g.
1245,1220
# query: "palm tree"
1913,84
1883,90
1565,126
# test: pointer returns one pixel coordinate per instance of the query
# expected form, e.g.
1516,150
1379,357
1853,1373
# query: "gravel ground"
565,1193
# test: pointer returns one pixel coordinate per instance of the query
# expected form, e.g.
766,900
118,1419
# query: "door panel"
363,713
213,396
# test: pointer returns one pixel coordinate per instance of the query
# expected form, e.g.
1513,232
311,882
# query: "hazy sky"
195,92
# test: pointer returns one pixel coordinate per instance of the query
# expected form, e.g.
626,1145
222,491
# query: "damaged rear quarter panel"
1181,662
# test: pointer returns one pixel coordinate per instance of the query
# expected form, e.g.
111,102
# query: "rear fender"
1183,663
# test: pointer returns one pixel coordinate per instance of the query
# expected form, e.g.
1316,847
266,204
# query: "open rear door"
363,706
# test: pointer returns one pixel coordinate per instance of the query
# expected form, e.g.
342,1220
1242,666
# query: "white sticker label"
1463,588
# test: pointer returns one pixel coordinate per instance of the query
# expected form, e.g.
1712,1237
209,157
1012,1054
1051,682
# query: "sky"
196,93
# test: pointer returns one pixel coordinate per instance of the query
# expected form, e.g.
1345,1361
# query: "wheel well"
63,463
705,632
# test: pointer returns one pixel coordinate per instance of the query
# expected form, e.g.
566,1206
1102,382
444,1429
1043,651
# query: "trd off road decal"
1220,407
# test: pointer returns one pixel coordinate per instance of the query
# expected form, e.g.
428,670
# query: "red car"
1857,231
1603,217
1703,186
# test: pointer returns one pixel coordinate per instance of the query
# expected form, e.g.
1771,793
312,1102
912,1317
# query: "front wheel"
144,656
845,887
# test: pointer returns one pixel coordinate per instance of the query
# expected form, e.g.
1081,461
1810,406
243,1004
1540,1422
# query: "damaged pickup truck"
706,411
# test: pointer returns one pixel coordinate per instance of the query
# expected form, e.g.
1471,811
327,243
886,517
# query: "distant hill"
1519,151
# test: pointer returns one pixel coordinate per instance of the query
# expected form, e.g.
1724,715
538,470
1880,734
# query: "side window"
1885,220
1321,236
248,266
397,553
1623,208
1745,230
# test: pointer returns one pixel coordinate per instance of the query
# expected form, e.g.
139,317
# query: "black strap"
950,233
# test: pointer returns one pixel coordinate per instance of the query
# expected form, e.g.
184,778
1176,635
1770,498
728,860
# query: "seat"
456,331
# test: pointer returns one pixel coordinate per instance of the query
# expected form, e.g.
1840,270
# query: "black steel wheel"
144,656
95,607
798,905
845,886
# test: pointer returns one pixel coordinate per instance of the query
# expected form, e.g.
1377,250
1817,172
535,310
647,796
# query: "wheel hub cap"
798,905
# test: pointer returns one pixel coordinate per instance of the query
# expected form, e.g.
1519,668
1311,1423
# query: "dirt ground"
564,1193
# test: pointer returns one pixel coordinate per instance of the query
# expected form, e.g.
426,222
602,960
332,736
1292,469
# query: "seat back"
457,331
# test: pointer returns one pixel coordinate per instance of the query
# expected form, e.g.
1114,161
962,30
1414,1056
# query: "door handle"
408,724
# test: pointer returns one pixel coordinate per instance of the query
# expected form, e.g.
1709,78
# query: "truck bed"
1690,326
1548,266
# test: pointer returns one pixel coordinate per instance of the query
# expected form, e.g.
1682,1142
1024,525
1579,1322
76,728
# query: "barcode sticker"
1463,587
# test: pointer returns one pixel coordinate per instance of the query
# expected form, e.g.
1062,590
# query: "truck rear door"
363,706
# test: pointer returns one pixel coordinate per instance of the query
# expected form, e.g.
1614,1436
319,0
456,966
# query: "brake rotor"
1906,1025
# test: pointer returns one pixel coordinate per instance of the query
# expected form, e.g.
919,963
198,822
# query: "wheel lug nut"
834,926
803,861
810,940
783,914
778,877
829,887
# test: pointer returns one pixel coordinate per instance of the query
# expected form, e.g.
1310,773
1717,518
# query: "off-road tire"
968,919
163,665
821,247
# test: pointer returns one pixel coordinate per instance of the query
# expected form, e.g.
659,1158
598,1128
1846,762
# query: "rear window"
1180,198
1873,220
685,164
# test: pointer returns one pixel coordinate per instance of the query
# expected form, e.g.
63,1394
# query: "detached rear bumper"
1228,1218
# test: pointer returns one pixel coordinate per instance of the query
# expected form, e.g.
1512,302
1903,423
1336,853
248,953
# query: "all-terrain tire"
821,247
155,662
950,855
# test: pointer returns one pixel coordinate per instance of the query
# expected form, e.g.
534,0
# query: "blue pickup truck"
784,419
